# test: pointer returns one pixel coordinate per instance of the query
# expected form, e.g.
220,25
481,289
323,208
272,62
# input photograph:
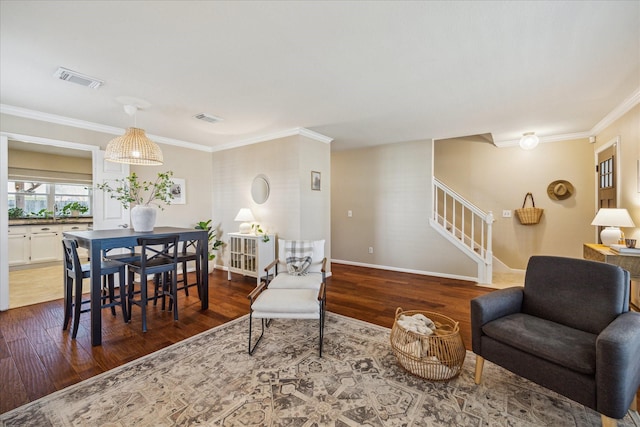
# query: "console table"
630,262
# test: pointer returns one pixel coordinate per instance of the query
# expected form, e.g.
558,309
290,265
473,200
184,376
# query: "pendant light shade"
134,148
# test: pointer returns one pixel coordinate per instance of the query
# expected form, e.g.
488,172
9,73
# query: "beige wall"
388,190
293,210
495,179
628,129
48,162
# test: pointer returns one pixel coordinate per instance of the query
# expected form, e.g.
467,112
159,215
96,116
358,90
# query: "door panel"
108,212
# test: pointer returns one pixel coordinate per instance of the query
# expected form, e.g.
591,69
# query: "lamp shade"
612,219
246,217
607,217
133,148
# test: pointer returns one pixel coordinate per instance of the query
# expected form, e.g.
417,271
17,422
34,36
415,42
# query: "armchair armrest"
254,293
618,365
324,270
493,306
271,265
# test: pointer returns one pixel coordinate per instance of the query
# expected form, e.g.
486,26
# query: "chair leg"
123,295
68,301
77,307
130,290
143,301
111,289
252,349
174,292
479,366
198,280
185,279
608,422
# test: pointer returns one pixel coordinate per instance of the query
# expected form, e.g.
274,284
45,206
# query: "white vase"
143,218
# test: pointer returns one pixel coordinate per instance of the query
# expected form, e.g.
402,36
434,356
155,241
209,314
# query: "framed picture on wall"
315,180
178,191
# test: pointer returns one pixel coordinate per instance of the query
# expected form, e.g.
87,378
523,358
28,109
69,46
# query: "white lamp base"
245,228
610,235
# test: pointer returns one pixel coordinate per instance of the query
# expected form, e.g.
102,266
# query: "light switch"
349,213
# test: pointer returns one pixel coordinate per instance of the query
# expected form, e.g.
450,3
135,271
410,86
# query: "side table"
629,262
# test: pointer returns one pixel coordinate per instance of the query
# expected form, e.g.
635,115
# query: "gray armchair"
569,329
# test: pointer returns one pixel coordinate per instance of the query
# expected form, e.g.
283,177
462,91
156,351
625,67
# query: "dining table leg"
96,294
204,270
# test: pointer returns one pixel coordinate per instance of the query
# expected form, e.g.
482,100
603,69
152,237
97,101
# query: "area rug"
210,380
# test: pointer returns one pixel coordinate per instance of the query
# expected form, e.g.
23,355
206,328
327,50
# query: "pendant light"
133,147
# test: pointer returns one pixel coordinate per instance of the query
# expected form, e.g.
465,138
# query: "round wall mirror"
260,189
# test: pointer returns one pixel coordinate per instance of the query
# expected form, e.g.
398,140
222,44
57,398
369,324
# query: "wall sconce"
612,219
246,217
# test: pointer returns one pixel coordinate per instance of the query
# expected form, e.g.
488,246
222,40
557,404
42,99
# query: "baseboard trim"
407,270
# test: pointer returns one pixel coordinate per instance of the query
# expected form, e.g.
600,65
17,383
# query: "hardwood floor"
38,358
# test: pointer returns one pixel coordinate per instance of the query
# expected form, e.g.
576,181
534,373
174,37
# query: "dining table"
97,241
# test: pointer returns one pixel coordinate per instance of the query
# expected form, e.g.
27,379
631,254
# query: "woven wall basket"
529,215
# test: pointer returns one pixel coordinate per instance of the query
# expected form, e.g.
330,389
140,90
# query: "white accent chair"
287,296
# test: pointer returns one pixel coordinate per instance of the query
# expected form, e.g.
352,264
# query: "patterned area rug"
210,380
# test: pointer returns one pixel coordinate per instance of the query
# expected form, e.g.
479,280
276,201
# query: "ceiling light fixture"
529,141
133,147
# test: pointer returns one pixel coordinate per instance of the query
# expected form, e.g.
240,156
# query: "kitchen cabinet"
34,244
18,245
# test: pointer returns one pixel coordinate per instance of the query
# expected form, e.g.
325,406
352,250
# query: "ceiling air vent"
81,79
208,118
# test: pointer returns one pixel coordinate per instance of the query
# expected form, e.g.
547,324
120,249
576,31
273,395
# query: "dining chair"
190,252
160,259
75,272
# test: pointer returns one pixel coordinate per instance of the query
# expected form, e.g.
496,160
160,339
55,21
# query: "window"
47,199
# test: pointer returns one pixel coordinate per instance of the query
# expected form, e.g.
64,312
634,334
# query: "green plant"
16,213
44,213
214,243
257,230
130,191
74,206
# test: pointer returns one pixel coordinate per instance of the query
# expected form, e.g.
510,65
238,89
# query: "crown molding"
616,113
545,139
96,127
626,105
276,135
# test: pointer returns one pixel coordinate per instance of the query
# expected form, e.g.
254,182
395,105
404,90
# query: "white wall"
293,210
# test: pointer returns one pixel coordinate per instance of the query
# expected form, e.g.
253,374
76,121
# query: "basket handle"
525,200
398,311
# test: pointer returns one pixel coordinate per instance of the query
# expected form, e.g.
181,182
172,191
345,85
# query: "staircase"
465,225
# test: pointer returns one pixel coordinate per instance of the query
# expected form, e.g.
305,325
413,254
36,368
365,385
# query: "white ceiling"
360,72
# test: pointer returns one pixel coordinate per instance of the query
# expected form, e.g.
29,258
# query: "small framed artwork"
178,191
315,181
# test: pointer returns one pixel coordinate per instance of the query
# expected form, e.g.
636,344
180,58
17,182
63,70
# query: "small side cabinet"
250,254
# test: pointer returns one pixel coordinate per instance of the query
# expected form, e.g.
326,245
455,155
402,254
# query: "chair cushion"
317,247
565,346
287,303
287,281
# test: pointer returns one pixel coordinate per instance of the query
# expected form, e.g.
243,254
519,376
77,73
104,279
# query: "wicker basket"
529,216
437,357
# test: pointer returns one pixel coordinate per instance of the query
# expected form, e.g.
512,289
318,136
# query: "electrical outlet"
370,249
349,213
506,213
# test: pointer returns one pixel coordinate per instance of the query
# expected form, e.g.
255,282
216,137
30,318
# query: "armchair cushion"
287,281
551,341
316,247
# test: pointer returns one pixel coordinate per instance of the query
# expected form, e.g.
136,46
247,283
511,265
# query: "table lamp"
246,217
612,219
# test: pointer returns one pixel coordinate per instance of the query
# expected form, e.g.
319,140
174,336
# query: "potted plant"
258,231
74,209
214,243
15,213
141,196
